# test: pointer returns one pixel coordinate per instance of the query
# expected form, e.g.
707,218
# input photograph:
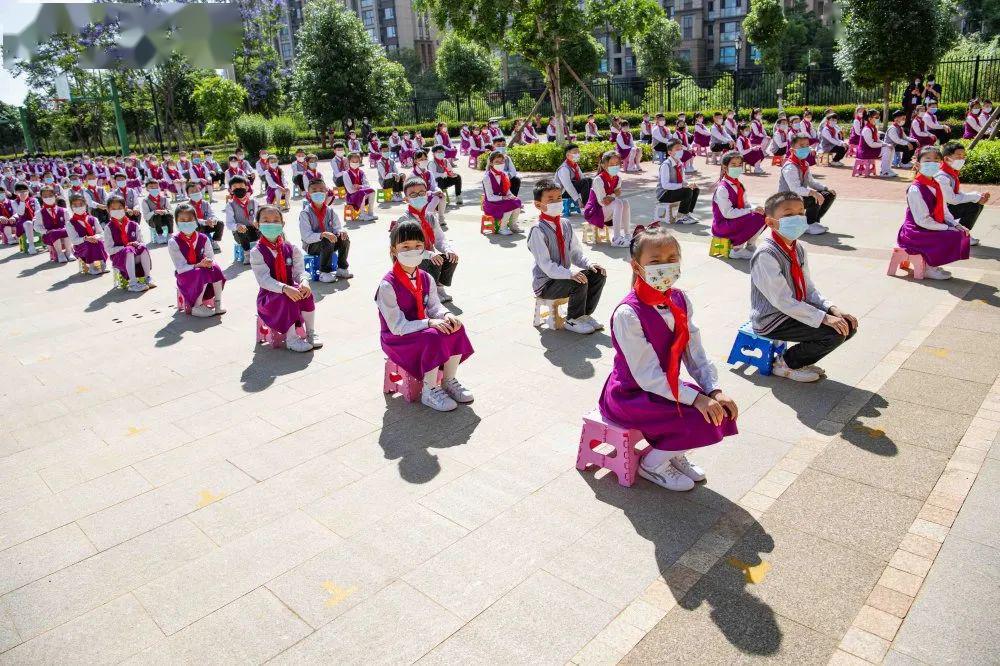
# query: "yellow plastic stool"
350,213
594,235
720,247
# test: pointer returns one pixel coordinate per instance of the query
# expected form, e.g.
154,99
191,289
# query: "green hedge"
982,163
546,157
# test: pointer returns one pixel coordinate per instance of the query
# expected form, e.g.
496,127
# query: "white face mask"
117,213
554,209
957,164
79,210
410,258
49,201
661,276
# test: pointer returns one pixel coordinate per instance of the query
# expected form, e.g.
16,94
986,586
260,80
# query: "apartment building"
392,23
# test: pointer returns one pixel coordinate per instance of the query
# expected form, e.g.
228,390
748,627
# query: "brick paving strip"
812,623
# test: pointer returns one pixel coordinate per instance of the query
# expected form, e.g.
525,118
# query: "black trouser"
660,147
837,153
905,153
396,184
395,152
101,214
325,249
815,212
215,233
780,152
582,186
297,180
966,213
942,135
583,297
217,177
515,185
247,238
814,343
161,223
447,181
339,181
687,196
719,147
442,274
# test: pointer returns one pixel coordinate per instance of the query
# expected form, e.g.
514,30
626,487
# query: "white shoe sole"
661,482
438,408
788,375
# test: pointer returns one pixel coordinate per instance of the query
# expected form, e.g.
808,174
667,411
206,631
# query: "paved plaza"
172,493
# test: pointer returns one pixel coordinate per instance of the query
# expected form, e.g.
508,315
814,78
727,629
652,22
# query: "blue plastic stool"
747,343
312,265
569,207
238,255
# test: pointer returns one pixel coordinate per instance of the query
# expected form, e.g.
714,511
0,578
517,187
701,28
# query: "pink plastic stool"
182,305
700,151
400,381
52,253
863,168
623,461
900,259
852,150
274,338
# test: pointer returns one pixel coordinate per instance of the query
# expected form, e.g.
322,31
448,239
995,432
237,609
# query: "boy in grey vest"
555,248
796,176
784,302
241,213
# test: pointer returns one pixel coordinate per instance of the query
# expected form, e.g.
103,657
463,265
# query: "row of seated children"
977,117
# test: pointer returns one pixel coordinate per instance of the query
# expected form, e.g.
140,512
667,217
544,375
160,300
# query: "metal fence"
960,81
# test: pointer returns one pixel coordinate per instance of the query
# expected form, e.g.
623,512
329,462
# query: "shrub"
546,157
446,111
253,132
982,163
283,134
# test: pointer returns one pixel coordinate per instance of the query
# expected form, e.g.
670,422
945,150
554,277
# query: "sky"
14,14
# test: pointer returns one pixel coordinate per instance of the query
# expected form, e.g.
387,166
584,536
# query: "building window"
366,3
687,26
629,63
618,44
684,55
755,54
390,13
368,18
372,35
604,66
286,51
390,31
727,56
710,29
618,66
729,30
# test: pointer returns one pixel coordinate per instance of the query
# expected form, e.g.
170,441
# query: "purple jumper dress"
275,308
967,131
740,229
54,221
449,150
754,155
420,352
936,247
624,402
192,283
360,193
593,211
922,141
89,253
866,152
627,140
497,209
131,236
701,139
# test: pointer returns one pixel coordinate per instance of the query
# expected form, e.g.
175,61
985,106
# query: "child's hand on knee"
710,409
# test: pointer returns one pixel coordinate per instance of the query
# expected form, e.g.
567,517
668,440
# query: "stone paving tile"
8,633
979,519
38,557
947,393
106,634
907,423
969,366
20,491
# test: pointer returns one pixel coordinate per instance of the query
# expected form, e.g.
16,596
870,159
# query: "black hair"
21,186
569,147
316,181
777,199
406,230
544,185
418,154
673,143
413,181
951,148
437,148
184,208
643,236
495,154
799,136
339,144
267,207
898,113
237,180
927,150
114,198
729,156
76,196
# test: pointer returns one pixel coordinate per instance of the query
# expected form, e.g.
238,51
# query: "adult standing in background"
912,96
366,131
932,90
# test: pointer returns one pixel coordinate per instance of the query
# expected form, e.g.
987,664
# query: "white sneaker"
936,273
687,468
758,170
61,258
219,310
344,273
889,174
70,257
202,311
456,391
781,369
505,231
818,370
443,295
973,241
667,476
94,270
327,277
515,228
136,287
686,219
598,326
815,229
580,326
296,344
312,337
741,253
246,258
437,399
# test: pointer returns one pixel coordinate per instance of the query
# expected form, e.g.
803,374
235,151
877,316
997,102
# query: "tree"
11,138
654,51
788,38
219,101
257,64
982,16
466,67
864,57
423,79
353,80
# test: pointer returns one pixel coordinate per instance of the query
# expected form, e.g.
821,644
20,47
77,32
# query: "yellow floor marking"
337,593
940,353
754,573
206,497
82,389
874,433
133,431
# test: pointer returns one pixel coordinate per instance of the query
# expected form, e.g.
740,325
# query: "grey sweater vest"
763,315
538,276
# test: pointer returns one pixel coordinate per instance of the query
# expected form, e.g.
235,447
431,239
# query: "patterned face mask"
661,276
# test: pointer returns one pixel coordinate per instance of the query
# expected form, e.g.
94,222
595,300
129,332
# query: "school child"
48,179
323,234
605,203
285,299
627,150
133,177
499,201
395,144
155,172
749,153
555,249
732,215
901,145
550,130
831,140
721,139
660,136
973,120
784,303
85,235
156,212
241,216
389,176
441,260
856,123
439,202
758,135
123,243
338,164
50,222
780,137
8,221
199,174
246,169
418,141
673,187
465,136
494,129
529,135
25,206
590,132
940,131
198,277
730,124
298,170
919,130
796,176
964,206
214,168
478,144
360,194
232,171
516,133
407,150
417,332
871,147
176,180
274,179
375,146
207,222
353,143
687,140
809,129
261,168
508,166
443,175
575,186
653,332
441,138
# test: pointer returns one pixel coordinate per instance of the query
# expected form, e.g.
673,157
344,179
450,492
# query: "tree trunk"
555,92
886,90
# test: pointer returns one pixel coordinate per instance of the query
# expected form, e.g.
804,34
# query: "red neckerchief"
833,130
280,270
740,203
82,219
199,170
122,225
51,210
320,214
919,121
387,164
192,247
575,169
156,201
626,136
798,277
799,164
504,181
874,130
28,208
355,175
954,176
557,226
678,172
245,205
684,137
938,212
198,211
443,165
610,182
275,174
416,290
656,298
421,215
233,171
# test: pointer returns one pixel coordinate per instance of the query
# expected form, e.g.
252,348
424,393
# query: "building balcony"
728,12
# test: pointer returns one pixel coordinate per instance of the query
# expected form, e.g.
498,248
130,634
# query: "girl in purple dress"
418,333
123,241
84,232
652,332
498,201
732,215
50,222
360,195
199,278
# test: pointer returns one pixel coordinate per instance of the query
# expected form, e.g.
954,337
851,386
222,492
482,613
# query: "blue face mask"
802,153
270,230
613,170
418,202
735,172
187,227
792,226
932,110
930,169
195,196
317,197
